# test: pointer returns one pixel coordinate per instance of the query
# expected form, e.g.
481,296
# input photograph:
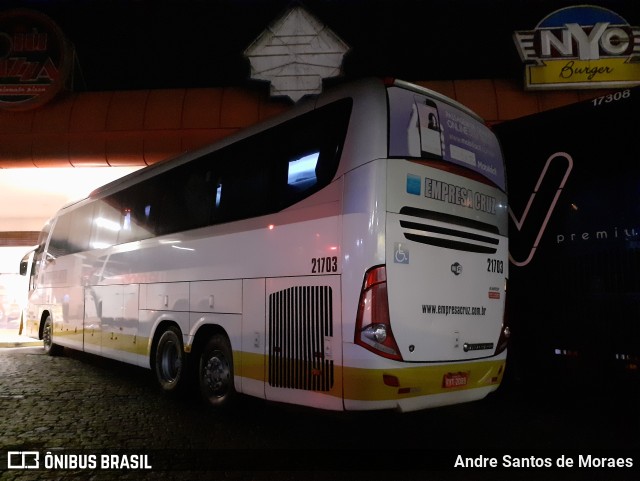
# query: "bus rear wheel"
215,372
170,361
47,338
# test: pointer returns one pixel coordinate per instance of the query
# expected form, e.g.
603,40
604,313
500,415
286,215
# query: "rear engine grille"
300,320
448,237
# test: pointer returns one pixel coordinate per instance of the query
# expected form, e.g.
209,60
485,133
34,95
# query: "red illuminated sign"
35,59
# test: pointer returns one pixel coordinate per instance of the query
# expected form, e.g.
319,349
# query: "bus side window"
65,240
59,243
301,176
184,198
79,235
170,215
313,149
243,191
243,188
199,195
35,267
38,256
138,206
107,223
301,172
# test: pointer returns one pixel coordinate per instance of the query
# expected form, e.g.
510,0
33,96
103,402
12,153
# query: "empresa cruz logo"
451,193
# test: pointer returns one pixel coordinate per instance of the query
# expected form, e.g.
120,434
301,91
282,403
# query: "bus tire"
170,361
215,373
50,347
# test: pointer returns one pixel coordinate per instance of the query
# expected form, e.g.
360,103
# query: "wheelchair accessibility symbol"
400,253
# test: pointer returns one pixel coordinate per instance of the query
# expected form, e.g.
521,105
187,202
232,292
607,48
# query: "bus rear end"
431,315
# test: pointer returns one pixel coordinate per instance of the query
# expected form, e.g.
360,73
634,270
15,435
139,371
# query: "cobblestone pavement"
86,406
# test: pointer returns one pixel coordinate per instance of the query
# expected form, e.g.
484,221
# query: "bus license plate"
455,379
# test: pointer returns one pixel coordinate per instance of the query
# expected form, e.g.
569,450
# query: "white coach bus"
350,254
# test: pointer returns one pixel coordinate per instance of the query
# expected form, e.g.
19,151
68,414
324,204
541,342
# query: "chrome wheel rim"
216,374
46,335
170,362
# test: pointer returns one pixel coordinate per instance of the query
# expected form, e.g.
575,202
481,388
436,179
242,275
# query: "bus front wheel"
169,366
216,372
47,338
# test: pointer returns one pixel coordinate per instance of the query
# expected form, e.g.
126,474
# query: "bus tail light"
505,331
373,325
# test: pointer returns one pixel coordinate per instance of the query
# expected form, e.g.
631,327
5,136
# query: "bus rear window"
427,128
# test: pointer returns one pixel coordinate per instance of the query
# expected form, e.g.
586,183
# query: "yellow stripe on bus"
359,384
386,384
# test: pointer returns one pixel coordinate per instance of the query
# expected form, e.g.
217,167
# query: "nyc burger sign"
583,46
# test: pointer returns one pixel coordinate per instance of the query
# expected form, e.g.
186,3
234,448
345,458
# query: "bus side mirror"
26,262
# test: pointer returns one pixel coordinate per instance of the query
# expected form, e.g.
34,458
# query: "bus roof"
437,96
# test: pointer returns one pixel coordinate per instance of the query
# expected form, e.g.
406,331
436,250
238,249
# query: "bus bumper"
421,387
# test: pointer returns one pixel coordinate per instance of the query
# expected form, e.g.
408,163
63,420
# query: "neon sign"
580,47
